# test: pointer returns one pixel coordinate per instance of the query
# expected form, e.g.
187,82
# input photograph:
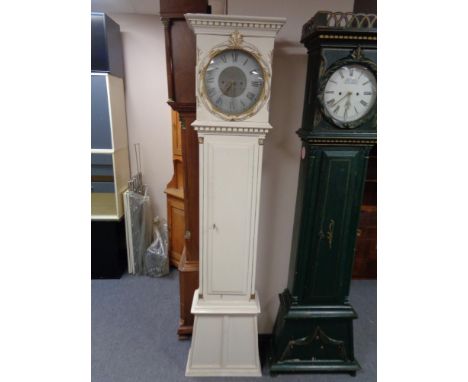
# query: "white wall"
282,145
148,115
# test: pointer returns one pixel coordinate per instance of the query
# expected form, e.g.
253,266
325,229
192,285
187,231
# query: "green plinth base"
315,367
313,338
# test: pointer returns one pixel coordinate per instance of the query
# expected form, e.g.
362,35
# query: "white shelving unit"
110,169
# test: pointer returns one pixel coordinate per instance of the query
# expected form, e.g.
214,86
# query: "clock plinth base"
224,339
313,338
315,367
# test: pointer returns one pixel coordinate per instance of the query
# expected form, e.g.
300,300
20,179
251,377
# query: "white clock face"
350,93
233,81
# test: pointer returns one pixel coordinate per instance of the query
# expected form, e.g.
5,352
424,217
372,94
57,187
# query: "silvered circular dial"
350,93
233,81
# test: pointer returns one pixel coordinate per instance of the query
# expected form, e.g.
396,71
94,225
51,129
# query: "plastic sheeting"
138,224
156,262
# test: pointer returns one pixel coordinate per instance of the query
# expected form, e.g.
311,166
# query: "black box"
108,249
106,45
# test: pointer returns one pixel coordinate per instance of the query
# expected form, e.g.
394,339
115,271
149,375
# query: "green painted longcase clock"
314,328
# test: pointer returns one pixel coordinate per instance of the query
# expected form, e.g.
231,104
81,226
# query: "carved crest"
357,53
314,346
236,39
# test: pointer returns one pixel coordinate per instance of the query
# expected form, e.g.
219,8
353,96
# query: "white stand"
224,340
226,305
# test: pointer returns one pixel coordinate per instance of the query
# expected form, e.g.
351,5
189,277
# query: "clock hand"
341,99
348,103
345,114
229,87
347,106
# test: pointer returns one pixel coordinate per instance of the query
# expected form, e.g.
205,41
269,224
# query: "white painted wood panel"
121,177
241,329
211,350
224,345
229,193
117,111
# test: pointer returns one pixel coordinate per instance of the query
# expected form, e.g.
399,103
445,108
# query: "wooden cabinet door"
176,134
176,226
229,195
332,201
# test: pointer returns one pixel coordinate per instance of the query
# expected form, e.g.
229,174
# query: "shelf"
102,151
177,192
103,204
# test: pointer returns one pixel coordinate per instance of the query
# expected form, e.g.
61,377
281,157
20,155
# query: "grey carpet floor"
134,325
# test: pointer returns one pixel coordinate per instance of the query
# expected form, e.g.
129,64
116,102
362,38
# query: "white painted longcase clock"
234,56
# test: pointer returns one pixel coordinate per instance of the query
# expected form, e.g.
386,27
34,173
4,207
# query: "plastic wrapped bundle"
138,224
156,260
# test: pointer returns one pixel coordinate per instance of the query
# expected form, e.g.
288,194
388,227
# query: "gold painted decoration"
331,229
357,53
235,41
